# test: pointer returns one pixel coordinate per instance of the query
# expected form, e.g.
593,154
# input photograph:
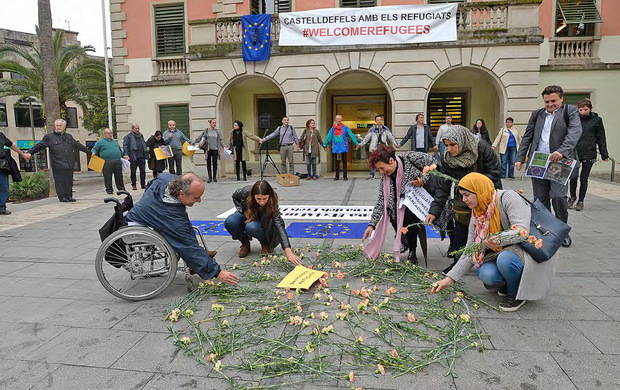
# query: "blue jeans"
239,230
4,190
311,165
508,161
507,268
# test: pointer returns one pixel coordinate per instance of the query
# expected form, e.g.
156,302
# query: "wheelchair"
134,262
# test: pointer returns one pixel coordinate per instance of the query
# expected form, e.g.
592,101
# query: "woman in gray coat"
503,265
211,142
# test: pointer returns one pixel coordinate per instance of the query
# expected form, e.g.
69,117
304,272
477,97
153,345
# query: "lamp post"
34,140
107,65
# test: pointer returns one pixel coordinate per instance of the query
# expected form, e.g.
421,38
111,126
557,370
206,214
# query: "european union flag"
256,43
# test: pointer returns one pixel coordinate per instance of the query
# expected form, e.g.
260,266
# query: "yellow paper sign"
186,150
163,152
96,163
301,277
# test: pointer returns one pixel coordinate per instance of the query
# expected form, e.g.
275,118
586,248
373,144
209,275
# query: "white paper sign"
369,26
126,164
418,200
193,148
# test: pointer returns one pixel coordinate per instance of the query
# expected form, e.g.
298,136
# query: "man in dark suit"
555,129
420,134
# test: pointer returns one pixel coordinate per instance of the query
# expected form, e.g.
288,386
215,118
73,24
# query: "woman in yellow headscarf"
502,265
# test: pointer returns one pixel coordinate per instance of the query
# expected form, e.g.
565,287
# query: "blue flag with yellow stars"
256,44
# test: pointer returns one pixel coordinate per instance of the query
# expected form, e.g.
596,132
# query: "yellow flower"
309,347
456,300
235,266
218,365
241,309
216,307
185,340
341,315
380,369
359,340
211,357
378,330
394,354
323,316
317,296
225,323
460,294
351,377
188,313
464,317
327,329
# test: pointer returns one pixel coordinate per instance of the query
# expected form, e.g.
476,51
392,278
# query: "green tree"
79,78
96,116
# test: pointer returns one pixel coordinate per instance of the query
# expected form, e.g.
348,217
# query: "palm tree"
47,81
80,78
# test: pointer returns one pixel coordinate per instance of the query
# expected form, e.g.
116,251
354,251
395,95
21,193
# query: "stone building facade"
502,59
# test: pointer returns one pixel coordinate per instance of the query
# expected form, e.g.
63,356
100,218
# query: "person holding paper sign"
108,149
398,172
258,216
555,130
154,142
175,138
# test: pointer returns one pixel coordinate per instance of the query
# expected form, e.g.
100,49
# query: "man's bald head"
187,189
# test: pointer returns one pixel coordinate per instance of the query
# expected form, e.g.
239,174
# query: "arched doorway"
358,96
467,94
256,101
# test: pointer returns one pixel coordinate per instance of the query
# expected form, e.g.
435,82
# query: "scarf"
468,147
237,138
375,243
486,215
338,130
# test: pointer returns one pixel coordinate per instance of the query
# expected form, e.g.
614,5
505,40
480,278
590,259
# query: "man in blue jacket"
163,208
175,138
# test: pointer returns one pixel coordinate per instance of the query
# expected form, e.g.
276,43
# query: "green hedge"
34,186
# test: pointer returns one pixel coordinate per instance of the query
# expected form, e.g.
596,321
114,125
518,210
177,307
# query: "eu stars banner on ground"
256,42
369,26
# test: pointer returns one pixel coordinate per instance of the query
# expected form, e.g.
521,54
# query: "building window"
573,98
270,6
170,30
357,3
22,116
442,104
576,18
4,122
175,112
72,118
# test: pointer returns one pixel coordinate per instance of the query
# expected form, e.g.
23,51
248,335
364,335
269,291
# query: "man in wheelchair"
163,208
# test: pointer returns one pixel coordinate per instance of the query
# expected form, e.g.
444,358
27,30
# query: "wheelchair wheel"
135,263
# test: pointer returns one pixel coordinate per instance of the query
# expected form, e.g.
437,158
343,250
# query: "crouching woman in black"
258,216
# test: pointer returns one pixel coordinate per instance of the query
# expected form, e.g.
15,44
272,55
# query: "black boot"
237,170
245,170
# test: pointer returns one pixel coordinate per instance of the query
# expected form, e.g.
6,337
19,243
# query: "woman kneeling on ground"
503,266
258,216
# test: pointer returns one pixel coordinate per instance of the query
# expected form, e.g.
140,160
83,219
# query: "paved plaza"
62,330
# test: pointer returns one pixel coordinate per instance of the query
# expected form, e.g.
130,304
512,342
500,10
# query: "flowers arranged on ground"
377,319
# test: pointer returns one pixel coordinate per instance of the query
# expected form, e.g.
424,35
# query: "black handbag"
544,226
5,167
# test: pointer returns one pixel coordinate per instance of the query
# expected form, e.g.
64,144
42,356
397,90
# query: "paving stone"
509,370
562,307
19,339
12,267
604,334
609,305
536,335
581,286
147,317
73,377
88,347
160,350
174,381
612,282
31,309
59,271
32,287
86,290
91,315
591,371
23,374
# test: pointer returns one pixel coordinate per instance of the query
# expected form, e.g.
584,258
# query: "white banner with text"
369,26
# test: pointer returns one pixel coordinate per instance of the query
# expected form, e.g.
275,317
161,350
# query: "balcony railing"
573,48
471,17
171,66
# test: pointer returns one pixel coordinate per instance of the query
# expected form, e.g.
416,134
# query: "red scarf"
338,130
